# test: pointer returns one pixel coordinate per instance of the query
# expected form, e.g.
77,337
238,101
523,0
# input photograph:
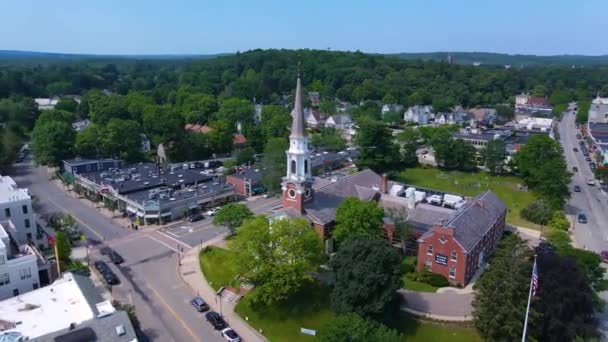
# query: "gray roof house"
419,114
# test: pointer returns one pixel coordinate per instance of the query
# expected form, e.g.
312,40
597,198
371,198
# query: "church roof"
297,126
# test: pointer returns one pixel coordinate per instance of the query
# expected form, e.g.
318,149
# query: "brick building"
247,181
458,246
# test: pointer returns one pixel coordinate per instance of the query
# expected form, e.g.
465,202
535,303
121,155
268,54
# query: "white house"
18,266
339,121
418,114
145,143
80,125
16,206
397,108
313,118
46,103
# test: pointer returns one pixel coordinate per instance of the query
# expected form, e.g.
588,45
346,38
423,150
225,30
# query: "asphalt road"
149,277
594,234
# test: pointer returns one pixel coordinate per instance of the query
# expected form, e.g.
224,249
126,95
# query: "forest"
124,97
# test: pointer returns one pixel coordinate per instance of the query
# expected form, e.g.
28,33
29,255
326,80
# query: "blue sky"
201,26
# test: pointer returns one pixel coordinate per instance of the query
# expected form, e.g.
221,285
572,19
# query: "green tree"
601,173
329,139
136,103
104,108
501,293
505,113
198,108
220,137
327,107
392,118
274,163
351,327
275,121
276,257
565,300
121,138
130,310
540,163
245,156
356,218
87,142
236,110
377,149
64,247
68,104
163,124
10,144
372,263
495,154
232,216
52,142
539,90
55,115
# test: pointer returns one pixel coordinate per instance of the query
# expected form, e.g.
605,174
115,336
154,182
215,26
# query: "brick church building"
454,243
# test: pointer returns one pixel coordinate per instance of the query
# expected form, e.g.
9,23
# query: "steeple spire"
297,126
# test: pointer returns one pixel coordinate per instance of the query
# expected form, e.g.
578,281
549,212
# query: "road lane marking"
76,218
173,313
163,243
172,238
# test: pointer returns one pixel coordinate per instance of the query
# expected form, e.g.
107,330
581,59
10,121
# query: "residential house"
16,206
314,119
145,143
314,97
257,113
238,139
80,125
396,108
70,309
457,247
484,116
339,121
419,114
46,103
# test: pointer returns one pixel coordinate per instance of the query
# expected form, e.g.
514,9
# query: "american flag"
534,280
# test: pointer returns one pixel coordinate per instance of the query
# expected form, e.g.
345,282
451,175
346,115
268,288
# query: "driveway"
447,306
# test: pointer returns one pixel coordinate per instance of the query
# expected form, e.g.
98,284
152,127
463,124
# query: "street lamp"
180,250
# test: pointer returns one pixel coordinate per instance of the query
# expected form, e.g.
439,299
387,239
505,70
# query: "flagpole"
523,336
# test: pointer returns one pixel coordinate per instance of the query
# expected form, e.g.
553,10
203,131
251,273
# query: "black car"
216,320
115,257
582,218
588,159
575,149
577,188
105,250
199,304
574,169
101,266
110,278
196,218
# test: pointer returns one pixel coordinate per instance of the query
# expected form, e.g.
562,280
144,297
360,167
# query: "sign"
308,331
441,259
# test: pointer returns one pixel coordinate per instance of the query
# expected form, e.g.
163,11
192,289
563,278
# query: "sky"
543,27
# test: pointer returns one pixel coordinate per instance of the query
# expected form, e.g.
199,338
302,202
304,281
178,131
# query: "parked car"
105,250
574,169
604,255
110,278
577,188
115,257
101,266
196,218
582,218
212,211
216,320
591,182
578,136
588,159
230,335
575,149
199,304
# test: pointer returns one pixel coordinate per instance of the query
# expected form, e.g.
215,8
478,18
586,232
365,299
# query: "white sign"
308,332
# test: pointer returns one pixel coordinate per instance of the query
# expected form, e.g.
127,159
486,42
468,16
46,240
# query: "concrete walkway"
446,306
192,275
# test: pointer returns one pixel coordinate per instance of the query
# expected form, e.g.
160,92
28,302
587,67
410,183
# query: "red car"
604,255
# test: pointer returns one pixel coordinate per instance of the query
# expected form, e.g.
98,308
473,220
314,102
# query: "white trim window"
454,256
5,279
429,249
452,271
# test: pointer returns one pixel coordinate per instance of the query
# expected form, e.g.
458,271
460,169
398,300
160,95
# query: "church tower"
297,183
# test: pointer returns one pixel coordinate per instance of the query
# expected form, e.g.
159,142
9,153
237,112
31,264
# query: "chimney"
384,184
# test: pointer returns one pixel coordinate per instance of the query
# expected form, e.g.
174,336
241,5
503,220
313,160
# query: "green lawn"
412,284
471,184
311,309
218,267
425,331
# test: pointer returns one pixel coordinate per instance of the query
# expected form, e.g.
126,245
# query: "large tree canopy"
358,219
276,257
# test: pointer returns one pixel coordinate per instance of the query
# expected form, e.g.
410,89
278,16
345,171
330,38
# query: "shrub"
559,221
538,212
408,268
559,239
433,279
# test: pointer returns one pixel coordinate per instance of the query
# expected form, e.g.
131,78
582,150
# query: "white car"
230,335
211,211
591,182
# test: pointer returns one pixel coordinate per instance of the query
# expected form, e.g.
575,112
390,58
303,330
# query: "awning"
151,216
168,213
132,210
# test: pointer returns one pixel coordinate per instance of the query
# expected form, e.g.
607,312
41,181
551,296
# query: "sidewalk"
192,275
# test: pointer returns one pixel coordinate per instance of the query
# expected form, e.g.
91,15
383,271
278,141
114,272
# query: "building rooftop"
10,192
106,328
71,299
252,173
425,216
85,161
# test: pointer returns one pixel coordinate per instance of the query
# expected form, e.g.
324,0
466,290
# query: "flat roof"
47,309
9,191
201,190
85,161
253,173
102,329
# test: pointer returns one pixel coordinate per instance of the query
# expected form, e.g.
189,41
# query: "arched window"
305,167
293,166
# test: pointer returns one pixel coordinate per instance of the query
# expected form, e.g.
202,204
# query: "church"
452,242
